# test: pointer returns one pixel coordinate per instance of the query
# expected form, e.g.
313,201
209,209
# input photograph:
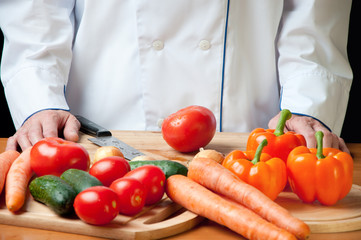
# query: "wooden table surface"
223,142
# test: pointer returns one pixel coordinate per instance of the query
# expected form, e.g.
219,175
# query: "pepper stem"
319,140
257,155
284,116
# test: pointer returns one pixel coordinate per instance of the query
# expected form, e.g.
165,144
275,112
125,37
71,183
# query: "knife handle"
92,128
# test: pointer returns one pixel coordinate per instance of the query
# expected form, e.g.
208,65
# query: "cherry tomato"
189,129
55,155
109,169
131,194
97,205
153,178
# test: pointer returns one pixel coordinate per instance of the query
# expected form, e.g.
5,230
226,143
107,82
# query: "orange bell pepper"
323,174
280,143
258,169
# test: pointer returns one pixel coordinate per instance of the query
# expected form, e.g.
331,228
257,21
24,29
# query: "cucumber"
169,167
53,192
79,179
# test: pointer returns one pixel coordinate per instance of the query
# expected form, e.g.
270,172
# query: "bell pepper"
323,174
280,143
258,169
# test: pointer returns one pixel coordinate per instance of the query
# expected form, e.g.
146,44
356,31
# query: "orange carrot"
217,178
204,202
17,181
6,159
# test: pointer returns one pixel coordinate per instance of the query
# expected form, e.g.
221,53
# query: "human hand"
46,123
308,126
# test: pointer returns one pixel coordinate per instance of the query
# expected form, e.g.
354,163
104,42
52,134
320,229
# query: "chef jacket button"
158,45
204,44
160,122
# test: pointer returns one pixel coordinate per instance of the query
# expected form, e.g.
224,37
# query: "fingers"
34,132
71,129
308,126
11,144
46,123
273,122
50,126
25,137
343,146
14,143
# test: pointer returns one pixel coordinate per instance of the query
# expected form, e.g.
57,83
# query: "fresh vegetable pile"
59,175
245,183
236,190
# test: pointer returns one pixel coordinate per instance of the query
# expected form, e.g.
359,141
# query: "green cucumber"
169,167
53,192
79,179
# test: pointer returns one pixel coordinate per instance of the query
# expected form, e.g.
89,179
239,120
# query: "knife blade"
103,137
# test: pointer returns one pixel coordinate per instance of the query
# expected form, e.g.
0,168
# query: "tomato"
153,178
189,129
109,169
97,205
55,155
131,194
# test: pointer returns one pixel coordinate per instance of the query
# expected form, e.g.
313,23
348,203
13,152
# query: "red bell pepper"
323,174
280,143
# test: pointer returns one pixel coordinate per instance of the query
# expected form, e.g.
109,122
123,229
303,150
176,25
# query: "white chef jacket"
127,64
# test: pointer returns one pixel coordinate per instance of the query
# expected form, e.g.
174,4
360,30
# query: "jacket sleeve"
315,75
36,56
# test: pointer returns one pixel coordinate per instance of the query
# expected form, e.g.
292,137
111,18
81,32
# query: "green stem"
319,140
284,116
257,155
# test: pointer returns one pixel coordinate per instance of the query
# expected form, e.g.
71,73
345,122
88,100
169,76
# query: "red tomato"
97,205
189,129
55,155
109,169
153,178
131,194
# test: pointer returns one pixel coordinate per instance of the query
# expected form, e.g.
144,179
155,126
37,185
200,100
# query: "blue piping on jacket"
223,66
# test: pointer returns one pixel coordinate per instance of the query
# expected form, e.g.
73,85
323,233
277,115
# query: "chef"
128,64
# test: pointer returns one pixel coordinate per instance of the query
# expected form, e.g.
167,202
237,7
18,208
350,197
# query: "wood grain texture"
158,221
153,144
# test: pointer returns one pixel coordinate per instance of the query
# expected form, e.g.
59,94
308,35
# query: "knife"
103,137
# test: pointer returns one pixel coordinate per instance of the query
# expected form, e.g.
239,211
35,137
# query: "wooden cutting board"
168,218
158,221
344,216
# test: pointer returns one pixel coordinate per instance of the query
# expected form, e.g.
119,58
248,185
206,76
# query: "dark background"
351,131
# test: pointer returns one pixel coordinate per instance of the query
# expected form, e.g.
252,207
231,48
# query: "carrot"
238,218
17,181
217,178
6,159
